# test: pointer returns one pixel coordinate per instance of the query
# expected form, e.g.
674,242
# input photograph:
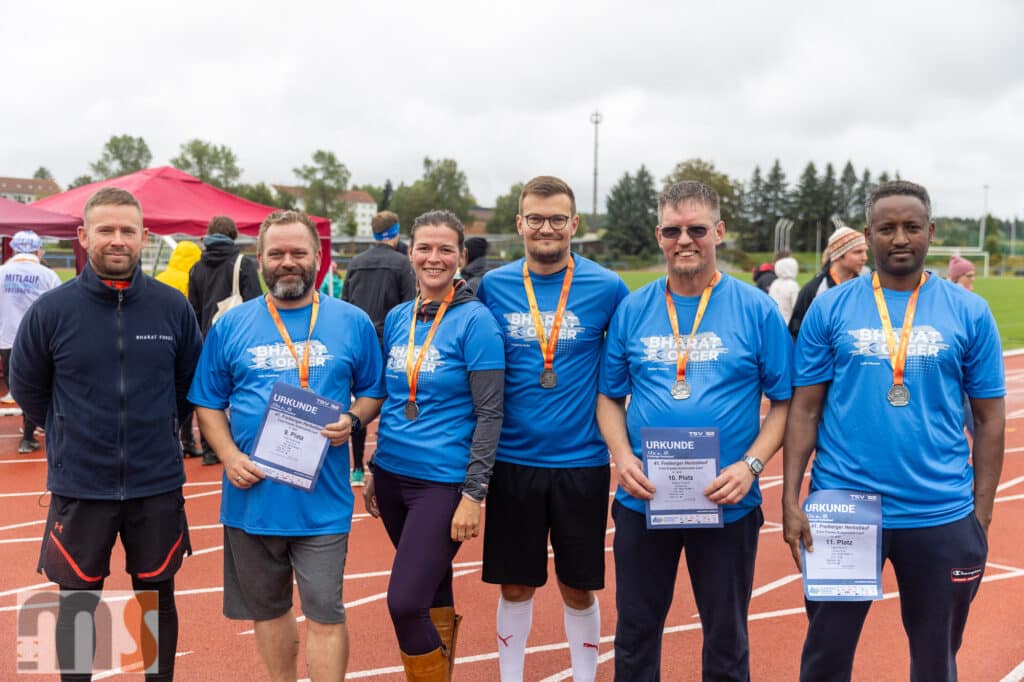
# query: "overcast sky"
934,90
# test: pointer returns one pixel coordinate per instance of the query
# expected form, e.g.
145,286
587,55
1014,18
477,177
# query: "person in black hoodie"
210,282
476,262
377,280
105,361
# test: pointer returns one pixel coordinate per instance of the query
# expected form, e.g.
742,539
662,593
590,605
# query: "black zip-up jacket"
808,293
377,280
108,371
209,281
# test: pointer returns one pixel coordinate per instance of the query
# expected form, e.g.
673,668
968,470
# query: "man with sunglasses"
696,349
551,477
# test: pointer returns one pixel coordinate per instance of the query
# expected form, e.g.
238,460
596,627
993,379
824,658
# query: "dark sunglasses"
674,231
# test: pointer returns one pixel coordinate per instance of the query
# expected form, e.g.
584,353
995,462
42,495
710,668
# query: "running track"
213,648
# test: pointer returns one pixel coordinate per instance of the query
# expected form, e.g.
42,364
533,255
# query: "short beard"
689,272
286,291
548,257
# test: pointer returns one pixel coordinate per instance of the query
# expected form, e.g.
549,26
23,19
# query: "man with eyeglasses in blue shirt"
696,349
551,477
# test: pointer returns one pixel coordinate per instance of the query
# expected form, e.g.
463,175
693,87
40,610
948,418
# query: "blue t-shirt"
741,350
915,456
435,445
243,357
552,427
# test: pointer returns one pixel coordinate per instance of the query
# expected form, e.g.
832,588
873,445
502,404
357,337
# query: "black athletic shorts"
80,534
525,504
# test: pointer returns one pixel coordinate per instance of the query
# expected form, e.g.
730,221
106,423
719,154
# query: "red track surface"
213,648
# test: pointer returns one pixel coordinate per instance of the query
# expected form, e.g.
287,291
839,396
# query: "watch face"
756,465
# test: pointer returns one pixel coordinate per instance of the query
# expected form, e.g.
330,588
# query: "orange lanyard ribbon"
303,365
897,354
412,371
548,343
683,352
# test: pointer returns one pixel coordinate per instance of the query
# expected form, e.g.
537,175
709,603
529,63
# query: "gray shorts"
258,575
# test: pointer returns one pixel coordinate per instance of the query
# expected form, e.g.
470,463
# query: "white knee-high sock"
515,618
583,632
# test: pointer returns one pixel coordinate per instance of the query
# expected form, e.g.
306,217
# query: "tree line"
751,209
323,180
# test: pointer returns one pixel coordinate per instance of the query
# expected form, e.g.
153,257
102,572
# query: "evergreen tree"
776,198
846,193
758,235
860,197
827,195
632,214
806,208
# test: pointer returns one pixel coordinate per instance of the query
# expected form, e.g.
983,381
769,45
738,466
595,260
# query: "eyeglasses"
674,231
557,222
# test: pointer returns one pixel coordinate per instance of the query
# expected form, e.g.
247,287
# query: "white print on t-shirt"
396,359
520,325
925,341
278,358
704,347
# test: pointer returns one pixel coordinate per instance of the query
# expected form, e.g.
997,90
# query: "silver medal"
548,378
681,390
898,395
412,410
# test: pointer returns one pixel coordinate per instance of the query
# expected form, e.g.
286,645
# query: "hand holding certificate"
681,463
290,447
846,564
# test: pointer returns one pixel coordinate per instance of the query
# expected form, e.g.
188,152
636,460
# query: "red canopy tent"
174,202
15,217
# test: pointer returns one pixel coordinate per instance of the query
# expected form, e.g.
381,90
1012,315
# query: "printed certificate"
681,463
846,564
289,447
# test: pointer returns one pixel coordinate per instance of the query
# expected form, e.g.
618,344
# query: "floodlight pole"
595,118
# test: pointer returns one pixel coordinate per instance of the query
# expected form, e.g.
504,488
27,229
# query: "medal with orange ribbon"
548,378
899,394
412,369
681,389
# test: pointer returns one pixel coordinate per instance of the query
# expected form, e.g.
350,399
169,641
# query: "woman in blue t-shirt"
439,428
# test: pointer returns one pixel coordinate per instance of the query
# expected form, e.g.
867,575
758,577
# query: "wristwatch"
756,465
357,424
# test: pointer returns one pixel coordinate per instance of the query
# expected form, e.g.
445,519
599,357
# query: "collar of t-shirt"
117,283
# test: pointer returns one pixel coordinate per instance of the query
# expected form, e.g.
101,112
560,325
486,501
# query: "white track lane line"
1015,675
1009,484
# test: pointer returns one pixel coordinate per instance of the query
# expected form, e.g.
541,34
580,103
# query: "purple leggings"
417,515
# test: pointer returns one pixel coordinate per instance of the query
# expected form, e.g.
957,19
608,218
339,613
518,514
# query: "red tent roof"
15,216
174,202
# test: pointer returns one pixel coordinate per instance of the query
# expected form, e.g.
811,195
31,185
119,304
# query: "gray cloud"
931,90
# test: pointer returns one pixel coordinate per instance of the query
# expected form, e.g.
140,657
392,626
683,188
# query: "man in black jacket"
378,279
105,361
210,282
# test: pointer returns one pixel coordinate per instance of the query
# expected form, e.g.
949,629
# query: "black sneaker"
190,449
210,458
26,446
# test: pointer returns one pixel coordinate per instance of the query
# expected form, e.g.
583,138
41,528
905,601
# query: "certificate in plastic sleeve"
289,447
846,564
681,463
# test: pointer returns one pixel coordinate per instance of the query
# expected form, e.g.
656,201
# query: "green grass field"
1004,296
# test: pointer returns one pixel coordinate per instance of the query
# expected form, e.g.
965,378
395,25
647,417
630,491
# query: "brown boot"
447,623
429,667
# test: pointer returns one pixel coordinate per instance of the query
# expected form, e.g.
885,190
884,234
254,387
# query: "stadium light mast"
596,119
